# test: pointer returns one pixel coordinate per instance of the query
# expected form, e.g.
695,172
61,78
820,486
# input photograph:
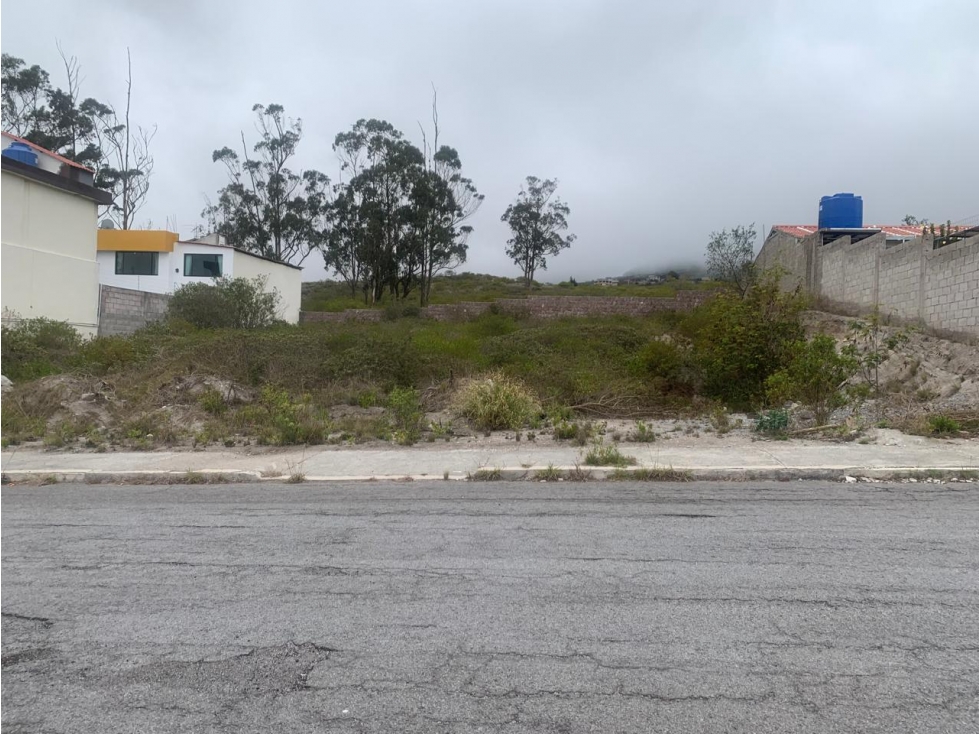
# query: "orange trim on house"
136,240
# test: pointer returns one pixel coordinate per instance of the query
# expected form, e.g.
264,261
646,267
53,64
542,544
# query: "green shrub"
406,409
738,343
496,401
664,361
37,347
550,474
485,475
579,433
212,401
870,345
227,303
401,310
565,431
602,454
67,431
642,433
773,422
109,353
720,419
280,420
942,425
143,431
386,356
815,376
17,425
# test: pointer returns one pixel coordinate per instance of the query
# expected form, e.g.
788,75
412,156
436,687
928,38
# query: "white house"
48,239
157,261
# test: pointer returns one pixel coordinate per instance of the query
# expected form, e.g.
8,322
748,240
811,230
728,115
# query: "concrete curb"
529,474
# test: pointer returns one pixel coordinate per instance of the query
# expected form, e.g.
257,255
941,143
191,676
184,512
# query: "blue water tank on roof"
841,211
21,152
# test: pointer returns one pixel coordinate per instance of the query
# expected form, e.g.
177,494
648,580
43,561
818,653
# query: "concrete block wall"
951,287
899,279
788,253
911,280
830,281
860,269
542,307
123,311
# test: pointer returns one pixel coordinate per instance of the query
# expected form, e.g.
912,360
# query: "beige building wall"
285,279
48,261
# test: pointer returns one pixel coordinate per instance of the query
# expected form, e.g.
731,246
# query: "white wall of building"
286,280
48,241
159,283
234,264
183,248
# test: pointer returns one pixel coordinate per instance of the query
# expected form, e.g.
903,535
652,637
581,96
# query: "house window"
137,263
202,266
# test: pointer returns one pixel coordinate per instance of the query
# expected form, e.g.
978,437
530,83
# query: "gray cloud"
663,121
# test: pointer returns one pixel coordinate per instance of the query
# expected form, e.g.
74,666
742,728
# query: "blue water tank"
21,152
841,211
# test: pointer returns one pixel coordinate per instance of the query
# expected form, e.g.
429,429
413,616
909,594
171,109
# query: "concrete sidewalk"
893,455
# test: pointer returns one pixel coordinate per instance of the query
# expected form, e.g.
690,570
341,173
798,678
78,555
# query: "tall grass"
330,295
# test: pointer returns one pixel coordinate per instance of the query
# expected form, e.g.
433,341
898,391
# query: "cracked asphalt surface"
493,607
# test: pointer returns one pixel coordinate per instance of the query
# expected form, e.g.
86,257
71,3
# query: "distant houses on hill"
642,280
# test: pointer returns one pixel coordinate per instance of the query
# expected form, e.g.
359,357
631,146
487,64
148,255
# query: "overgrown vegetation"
773,422
738,343
603,454
816,376
869,346
549,474
497,401
943,425
172,383
38,347
407,414
651,474
330,295
226,303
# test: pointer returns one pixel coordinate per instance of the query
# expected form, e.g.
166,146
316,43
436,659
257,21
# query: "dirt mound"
923,374
189,389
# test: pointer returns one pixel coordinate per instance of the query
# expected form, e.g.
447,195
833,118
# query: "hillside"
329,295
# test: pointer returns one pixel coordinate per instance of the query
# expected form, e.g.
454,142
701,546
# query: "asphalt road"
495,607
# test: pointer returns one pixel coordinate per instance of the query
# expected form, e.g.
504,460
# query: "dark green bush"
227,303
107,353
668,365
280,420
816,376
37,347
773,422
943,425
738,343
404,405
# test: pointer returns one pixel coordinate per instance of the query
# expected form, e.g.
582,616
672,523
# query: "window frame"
121,258
188,264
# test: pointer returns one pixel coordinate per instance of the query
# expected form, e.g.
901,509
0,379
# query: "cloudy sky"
663,121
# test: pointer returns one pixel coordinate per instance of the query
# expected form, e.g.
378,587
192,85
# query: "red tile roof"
51,153
892,230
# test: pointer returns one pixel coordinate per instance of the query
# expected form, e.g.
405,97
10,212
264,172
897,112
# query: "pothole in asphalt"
262,670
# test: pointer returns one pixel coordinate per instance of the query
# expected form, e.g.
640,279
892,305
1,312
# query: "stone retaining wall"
541,307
